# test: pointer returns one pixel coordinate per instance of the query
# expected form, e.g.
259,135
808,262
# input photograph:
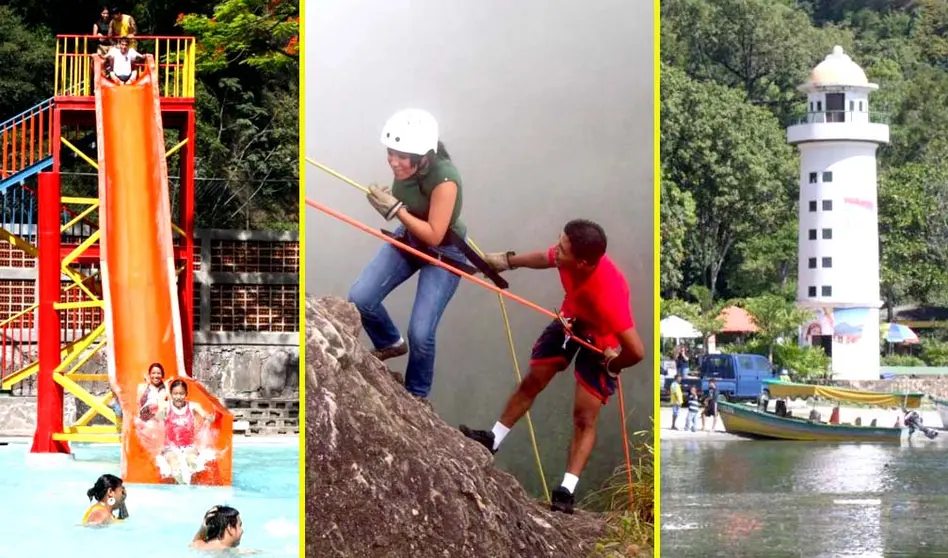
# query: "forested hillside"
729,74
247,93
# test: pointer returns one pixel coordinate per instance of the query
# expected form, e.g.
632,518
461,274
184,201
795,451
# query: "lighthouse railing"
840,116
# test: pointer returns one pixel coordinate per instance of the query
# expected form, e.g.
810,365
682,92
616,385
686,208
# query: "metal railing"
26,138
174,56
840,116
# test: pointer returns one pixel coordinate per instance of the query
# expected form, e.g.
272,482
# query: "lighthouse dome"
838,69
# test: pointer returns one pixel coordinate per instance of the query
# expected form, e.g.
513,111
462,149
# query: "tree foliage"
730,69
263,34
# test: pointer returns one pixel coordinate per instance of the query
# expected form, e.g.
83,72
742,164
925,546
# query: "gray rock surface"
387,477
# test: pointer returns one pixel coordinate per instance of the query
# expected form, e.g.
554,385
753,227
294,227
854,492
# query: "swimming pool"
43,502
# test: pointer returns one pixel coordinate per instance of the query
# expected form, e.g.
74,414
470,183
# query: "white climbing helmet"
412,131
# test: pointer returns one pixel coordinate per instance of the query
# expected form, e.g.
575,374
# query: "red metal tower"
73,108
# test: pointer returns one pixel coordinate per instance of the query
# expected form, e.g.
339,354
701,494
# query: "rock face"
386,477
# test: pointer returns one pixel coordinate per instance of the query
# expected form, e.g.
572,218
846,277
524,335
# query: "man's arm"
632,351
533,260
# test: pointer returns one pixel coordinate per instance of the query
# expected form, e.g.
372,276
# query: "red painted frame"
178,113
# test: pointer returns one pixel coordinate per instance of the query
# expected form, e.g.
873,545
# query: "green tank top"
415,192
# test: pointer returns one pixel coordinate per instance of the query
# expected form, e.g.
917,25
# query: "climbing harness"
440,261
452,238
406,238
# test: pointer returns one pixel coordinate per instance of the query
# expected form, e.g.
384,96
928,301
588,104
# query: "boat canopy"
791,390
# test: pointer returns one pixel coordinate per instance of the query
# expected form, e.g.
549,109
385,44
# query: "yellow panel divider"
91,413
88,437
83,395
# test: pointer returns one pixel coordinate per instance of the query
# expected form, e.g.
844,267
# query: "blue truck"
738,376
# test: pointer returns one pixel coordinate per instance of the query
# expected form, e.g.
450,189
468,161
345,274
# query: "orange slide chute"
139,278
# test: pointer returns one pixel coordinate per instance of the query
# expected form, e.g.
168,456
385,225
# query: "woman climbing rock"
425,197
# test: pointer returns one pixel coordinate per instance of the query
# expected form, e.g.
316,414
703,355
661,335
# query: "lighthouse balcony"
839,125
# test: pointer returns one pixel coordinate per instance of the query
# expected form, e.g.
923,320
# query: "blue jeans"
690,420
390,268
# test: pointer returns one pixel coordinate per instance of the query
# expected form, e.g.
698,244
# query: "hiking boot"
391,352
482,437
561,500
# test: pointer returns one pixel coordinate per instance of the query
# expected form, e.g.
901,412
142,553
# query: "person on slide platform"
425,197
597,309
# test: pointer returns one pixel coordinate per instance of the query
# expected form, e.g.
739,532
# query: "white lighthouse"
838,265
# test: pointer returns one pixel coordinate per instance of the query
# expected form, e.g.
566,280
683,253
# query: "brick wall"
247,281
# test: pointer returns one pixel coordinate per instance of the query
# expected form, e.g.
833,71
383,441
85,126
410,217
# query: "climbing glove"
384,202
609,355
499,261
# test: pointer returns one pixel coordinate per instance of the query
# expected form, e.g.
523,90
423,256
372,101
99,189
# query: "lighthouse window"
836,107
812,234
860,106
828,176
812,263
827,234
851,107
812,205
827,262
827,205
827,290
812,178
819,106
811,292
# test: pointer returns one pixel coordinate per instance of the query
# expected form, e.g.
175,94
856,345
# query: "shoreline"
886,417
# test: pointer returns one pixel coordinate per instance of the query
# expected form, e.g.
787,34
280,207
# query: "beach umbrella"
898,333
678,328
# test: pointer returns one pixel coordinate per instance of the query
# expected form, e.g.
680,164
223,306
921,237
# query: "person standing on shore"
694,407
711,406
676,399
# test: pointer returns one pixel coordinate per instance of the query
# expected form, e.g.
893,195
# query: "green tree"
27,57
263,34
732,157
677,221
775,318
763,47
913,230
248,101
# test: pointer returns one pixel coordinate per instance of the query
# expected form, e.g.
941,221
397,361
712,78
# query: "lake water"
760,498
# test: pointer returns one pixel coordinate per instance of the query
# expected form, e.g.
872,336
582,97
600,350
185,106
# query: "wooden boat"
750,421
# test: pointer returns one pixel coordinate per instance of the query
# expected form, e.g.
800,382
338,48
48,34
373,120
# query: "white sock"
500,431
399,343
569,482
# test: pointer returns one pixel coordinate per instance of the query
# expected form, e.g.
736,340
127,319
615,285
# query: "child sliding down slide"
183,453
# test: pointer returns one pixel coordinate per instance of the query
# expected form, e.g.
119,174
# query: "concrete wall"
241,371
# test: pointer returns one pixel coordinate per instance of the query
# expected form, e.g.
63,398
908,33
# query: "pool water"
44,501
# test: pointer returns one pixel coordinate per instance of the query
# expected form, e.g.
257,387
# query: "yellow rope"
503,310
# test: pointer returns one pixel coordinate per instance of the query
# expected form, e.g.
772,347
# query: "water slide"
139,279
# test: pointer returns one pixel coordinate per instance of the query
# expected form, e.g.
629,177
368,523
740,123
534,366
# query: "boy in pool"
221,529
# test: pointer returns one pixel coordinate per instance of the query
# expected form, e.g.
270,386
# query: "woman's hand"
384,202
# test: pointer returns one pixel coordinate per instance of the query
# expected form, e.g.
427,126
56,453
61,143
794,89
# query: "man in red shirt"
597,307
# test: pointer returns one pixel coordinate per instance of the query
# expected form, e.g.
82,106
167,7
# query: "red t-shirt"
601,301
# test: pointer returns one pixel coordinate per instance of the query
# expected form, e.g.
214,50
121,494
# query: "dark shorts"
590,370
